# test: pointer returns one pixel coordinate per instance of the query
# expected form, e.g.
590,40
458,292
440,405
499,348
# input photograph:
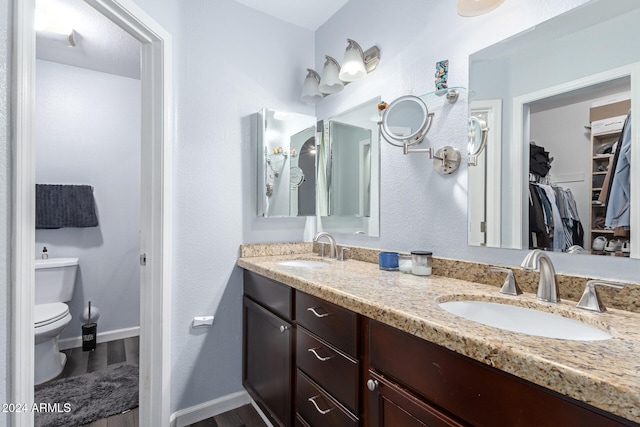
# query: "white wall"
231,62
5,207
88,132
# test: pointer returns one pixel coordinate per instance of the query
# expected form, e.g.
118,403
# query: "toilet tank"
55,279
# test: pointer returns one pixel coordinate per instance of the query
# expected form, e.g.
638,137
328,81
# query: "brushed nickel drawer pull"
313,400
320,358
313,310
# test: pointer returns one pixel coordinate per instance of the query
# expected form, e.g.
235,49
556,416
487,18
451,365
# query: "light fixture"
477,7
310,91
353,63
330,81
356,65
65,39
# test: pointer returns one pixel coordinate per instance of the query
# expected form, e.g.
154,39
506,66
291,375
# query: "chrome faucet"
537,259
333,249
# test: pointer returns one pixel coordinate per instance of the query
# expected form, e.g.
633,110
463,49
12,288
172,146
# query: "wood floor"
126,351
245,416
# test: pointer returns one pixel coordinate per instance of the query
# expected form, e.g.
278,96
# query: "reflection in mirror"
484,206
349,172
286,164
478,133
561,85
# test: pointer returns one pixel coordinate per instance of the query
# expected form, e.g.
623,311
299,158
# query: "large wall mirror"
349,172
286,164
556,99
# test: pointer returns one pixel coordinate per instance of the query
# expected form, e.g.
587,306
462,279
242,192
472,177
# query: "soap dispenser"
45,254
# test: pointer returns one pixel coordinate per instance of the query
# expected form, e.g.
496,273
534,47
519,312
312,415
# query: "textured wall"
231,62
421,209
88,132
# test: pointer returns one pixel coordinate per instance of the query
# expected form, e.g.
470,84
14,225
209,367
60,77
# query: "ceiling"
103,46
309,14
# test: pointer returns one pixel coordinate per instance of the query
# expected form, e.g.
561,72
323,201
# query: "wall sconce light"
310,91
355,66
330,81
477,7
356,63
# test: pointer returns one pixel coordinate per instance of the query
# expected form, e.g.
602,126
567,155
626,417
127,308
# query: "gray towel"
60,206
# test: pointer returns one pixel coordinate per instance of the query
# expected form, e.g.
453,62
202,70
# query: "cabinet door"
268,349
391,406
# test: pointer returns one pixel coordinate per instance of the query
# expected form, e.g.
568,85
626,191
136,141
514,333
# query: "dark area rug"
85,398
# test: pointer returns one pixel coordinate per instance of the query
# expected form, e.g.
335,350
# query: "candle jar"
421,263
404,263
388,261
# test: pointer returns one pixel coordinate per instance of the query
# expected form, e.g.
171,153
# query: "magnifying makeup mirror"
406,121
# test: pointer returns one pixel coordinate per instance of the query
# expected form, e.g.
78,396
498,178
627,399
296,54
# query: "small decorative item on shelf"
382,106
442,73
293,152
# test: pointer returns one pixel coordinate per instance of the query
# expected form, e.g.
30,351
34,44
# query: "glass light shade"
330,82
477,7
310,91
352,65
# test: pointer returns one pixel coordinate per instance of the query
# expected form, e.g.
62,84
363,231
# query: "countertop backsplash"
569,287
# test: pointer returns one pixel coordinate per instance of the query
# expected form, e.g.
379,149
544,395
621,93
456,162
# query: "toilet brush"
89,334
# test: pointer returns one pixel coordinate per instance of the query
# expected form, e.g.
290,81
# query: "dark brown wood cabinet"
327,379
391,405
469,391
311,363
268,341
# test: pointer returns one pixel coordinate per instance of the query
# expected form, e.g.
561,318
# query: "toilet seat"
46,314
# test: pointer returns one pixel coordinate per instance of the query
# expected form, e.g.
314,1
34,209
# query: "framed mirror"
349,172
286,164
560,85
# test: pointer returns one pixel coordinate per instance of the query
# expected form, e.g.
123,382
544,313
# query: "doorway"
155,236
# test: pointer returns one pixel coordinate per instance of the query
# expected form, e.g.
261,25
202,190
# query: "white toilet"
55,280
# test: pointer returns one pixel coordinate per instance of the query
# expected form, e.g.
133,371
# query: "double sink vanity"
330,342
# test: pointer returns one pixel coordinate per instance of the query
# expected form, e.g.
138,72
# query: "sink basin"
524,320
303,263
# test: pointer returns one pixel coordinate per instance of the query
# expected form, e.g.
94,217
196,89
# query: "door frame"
156,201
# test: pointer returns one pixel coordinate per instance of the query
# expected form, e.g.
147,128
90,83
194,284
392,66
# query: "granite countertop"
604,374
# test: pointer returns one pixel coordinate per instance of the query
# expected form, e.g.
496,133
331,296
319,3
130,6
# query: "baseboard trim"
192,415
118,334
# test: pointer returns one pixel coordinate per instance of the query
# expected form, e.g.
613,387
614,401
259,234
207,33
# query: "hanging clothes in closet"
554,223
619,194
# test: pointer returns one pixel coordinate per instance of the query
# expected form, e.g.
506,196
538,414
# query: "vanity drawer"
269,293
333,370
333,324
319,409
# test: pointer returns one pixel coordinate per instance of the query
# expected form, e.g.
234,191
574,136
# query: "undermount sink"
303,263
524,320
